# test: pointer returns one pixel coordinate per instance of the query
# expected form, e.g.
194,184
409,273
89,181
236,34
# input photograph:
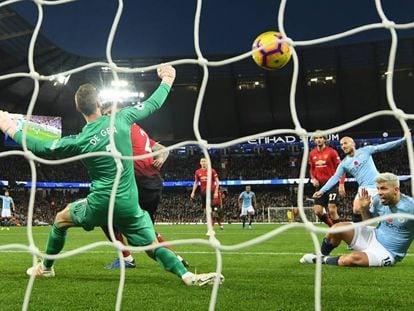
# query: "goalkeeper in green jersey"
134,223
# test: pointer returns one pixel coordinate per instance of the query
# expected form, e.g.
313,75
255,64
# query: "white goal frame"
283,212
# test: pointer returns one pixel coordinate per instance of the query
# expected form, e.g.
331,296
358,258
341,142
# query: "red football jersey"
323,163
142,144
201,176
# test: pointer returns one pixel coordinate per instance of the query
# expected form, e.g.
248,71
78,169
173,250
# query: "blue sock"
333,261
326,247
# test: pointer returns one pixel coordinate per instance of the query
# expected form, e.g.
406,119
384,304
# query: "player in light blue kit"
247,202
6,211
374,247
358,163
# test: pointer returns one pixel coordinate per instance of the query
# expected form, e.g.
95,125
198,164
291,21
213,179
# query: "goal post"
287,214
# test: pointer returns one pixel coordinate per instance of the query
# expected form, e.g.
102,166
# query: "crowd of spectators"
176,206
263,165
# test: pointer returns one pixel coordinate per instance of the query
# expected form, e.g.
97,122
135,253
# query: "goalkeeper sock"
169,261
55,243
161,239
326,247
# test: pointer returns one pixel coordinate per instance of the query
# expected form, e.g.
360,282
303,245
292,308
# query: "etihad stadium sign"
287,139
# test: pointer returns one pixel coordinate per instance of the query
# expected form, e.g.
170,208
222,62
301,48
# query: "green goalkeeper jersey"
94,137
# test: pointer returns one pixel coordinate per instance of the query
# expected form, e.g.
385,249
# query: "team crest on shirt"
356,163
320,163
389,220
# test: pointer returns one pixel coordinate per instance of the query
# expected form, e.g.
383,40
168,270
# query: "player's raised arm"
388,146
156,100
333,180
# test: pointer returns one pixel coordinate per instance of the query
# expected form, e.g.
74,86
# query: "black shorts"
203,197
149,193
329,197
217,212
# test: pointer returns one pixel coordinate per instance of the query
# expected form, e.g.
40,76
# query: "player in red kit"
149,183
323,161
200,176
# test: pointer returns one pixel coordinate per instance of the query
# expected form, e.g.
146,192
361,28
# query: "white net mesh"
298,130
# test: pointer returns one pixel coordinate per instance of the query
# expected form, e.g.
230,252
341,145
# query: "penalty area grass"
267,276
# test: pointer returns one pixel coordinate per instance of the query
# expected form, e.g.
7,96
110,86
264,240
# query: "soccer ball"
273,53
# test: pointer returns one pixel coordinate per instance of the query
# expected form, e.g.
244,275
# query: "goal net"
284,214
278,213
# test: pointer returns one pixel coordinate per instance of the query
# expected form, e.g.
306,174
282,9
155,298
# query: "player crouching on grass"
381,246
133,222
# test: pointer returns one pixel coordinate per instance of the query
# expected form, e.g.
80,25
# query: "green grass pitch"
267,276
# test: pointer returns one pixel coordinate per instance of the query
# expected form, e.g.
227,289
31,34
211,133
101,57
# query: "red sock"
219,222
212,222
120,238
326,219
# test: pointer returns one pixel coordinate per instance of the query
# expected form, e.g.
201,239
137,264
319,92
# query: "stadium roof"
57,99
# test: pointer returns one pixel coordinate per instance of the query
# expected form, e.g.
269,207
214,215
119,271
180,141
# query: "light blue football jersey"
395,234
361,165
247,198
7,201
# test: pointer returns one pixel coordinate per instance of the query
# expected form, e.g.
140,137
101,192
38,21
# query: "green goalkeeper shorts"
138,229
137,226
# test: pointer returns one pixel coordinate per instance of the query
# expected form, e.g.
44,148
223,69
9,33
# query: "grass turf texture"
263,277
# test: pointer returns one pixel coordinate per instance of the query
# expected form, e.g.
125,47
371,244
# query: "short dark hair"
86,98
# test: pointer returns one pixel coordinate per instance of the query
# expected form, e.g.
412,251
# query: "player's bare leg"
333,212
356,211
356,258
330,242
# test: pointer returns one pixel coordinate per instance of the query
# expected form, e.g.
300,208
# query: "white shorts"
371,192
365,241
247,210
5,213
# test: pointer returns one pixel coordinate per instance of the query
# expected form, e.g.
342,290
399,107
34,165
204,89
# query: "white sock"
44,268
129,258
187,275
